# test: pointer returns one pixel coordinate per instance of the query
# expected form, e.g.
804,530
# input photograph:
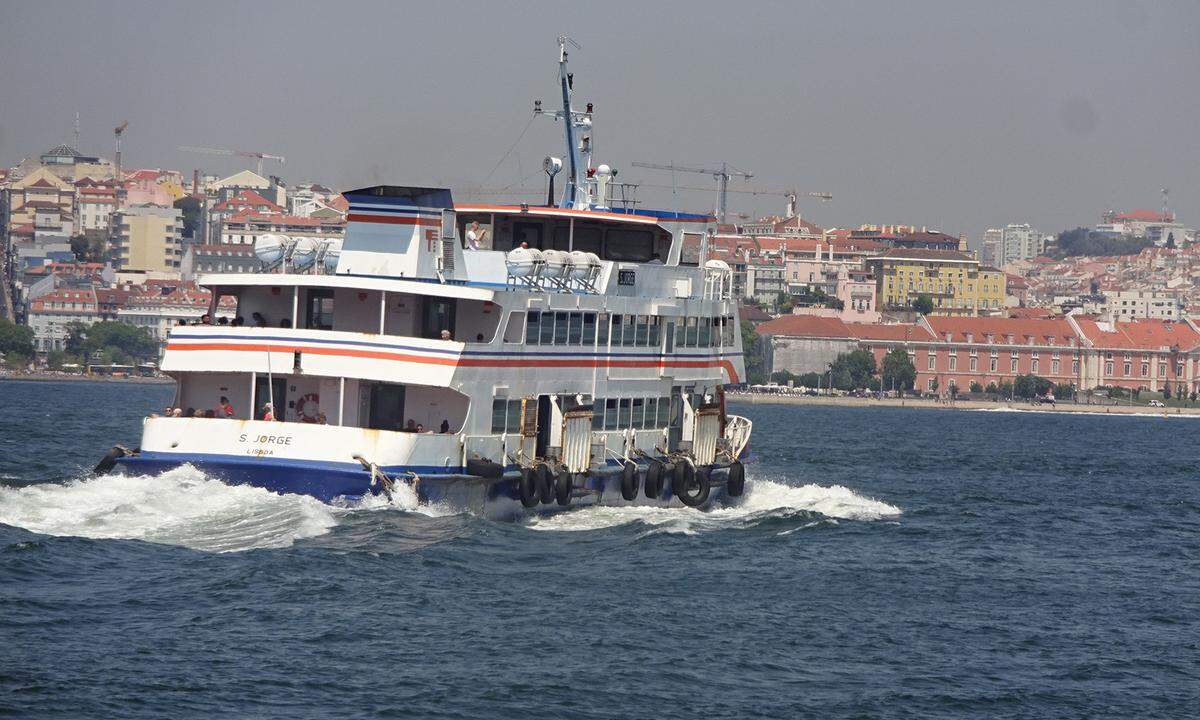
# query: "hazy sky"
955,115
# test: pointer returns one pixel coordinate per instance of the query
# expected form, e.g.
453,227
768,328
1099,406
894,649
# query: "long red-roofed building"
1075,350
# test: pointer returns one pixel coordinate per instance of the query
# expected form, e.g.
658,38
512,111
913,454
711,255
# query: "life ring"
563,488
735,484
308,407
545,483
527,488
655,476
629,481
690,485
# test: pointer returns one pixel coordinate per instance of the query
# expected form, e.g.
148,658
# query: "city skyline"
956,118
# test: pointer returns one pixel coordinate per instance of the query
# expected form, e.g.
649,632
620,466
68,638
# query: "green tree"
808,380
1084,241
1005,389
55,359
923,304
752,354
1064,391
976,387
111,342
16,340
1166,391
992,389
853,370
898,371
1031,386
191,214
781,377
933,386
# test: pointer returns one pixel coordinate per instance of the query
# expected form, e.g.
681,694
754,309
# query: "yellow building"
148,238
954,281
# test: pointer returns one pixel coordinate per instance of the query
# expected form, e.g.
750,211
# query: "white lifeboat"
583,264
269,248
523,262
558,263
304,253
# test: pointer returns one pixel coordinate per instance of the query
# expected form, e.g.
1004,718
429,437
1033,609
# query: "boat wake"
765,500
179,507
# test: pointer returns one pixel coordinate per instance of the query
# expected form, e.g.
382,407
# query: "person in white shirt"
475,236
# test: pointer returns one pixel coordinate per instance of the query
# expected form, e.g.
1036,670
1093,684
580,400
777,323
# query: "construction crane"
721,175
260,156
118,131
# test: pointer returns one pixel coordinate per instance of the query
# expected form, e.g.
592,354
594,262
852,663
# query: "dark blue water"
887,563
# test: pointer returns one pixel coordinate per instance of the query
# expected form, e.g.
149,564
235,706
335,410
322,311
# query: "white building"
50,314
1139,304
1022,242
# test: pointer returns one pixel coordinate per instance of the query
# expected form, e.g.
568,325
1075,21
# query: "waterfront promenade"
1016,406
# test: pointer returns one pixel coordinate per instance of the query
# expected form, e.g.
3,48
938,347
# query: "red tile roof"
1041,330
895,331
1141,334
1143,215
805,326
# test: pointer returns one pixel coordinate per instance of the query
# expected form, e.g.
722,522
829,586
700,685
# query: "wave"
764,500
179,507
1156,414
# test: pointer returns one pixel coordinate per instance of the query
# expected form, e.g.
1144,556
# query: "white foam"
179,507
764,498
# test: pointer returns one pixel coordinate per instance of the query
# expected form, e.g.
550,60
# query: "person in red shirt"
226,407
268,412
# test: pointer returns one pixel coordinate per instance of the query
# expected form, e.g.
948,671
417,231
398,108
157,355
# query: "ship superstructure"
496,357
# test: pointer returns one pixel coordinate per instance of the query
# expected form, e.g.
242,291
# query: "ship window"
320,309
630,245
575,332
664,411
642,330
610,414
597,414
499,409
532,329
692,332
589,329
616,329
627,330
602,321
560,328
705,327
655,326
651,408
547,329
679,333
623,417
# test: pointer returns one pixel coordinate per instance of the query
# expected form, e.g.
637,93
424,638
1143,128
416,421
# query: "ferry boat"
501,359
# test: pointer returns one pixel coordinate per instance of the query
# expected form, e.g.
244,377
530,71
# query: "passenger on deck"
210,413
420,428
259,320
222,320
268,412
478,337
238,321
445,428
475,236
226,407
206,319
411,426
445,334
190,412
177,412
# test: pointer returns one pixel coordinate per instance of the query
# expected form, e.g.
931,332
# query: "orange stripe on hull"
463,362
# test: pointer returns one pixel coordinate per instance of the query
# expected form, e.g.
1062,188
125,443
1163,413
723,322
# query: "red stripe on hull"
464,362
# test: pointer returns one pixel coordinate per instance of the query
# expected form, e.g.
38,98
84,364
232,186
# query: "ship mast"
578,126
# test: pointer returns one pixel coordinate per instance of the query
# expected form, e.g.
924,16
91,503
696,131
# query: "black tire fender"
527,488
563,488
735,485
545,483
109,461
655,475
629,481
695,489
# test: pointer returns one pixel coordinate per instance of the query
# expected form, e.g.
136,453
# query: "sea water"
885,562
